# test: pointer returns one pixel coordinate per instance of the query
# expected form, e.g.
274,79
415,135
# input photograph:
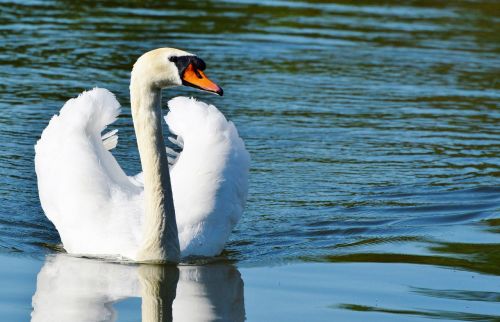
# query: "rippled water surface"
374,131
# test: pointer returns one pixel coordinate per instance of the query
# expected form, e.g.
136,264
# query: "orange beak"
196,78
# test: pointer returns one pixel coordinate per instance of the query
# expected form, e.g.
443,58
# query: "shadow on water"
482,257
80,289
457,316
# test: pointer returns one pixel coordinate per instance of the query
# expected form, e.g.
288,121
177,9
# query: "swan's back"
209,177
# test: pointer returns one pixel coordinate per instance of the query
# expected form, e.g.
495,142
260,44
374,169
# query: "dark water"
374,131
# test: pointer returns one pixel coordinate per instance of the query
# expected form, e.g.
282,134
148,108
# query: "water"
373,129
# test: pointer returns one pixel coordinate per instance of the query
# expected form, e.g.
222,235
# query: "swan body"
99,210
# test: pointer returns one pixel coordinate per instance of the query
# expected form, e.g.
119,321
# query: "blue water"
373,130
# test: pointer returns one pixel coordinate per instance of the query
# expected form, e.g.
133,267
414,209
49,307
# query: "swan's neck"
160,238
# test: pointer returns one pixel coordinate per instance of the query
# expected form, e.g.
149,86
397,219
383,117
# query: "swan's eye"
181,62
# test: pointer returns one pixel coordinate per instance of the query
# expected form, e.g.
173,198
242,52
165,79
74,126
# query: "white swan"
98,210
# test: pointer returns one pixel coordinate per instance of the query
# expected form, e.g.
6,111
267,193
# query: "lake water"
374,132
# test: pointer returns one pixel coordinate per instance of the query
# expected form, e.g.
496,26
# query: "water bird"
182,204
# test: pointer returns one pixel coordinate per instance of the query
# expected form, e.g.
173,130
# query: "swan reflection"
79,289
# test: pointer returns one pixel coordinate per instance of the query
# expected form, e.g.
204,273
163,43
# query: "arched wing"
83,190
209,177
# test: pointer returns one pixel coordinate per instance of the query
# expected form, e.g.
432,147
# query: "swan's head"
169,67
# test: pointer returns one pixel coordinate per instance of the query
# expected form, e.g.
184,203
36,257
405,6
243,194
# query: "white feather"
209,178
99,210
110,140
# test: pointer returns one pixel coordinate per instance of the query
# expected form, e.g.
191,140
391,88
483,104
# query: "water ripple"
373,129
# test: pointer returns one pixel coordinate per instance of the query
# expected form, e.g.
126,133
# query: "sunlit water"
374,132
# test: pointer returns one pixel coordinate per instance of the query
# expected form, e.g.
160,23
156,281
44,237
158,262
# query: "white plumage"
99,210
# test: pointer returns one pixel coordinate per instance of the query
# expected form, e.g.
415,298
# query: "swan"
167,212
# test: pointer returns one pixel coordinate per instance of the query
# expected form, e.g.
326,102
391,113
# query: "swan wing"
209,177
83,190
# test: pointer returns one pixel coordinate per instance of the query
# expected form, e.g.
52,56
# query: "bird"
183,204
